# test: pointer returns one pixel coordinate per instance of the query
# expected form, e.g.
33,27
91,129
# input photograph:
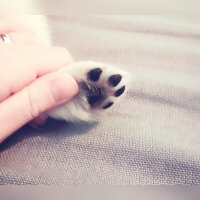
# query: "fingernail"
64,88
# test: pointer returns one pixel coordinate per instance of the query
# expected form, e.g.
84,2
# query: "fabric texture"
151,137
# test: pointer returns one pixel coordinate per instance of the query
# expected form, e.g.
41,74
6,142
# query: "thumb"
44,93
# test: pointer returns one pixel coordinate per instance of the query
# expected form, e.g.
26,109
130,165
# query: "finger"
25,37
22,64
44,93
39,121
19,32
10,24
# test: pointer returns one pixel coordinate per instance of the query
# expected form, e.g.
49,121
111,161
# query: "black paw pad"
114,80
94,74
119,91
108,105
94,95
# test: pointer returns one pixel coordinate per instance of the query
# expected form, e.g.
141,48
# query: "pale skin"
30,80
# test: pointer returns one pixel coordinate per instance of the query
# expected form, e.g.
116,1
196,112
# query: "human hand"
31,83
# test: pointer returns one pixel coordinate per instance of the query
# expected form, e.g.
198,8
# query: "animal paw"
100,87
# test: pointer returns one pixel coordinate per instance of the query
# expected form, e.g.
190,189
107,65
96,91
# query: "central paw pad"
94,94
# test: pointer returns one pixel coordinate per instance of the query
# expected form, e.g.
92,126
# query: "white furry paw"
100,87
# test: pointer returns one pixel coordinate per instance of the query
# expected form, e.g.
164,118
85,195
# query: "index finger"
21,64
